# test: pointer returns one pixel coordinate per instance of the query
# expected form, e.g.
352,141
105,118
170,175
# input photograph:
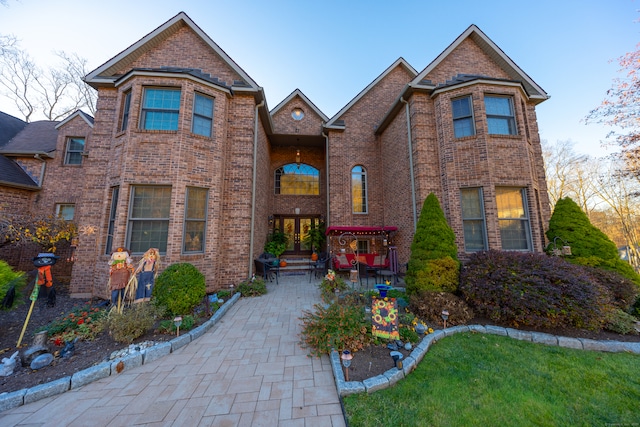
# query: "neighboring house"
184,155
41,172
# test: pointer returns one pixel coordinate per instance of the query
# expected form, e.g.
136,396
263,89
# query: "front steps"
295,266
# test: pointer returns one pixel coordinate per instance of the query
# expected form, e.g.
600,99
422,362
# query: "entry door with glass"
296,229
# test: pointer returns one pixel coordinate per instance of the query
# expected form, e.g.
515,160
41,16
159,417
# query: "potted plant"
316,239
276,243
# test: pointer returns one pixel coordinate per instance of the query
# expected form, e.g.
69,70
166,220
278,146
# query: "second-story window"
126,105
73,152
202,115
462,117
500,118
160,109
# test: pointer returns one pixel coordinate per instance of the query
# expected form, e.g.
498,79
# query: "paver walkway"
248,370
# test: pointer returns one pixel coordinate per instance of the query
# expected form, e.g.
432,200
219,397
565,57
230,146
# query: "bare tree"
76,68
54,93
619,192
568,174
18,75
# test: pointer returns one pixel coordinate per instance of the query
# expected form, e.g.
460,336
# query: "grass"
474,379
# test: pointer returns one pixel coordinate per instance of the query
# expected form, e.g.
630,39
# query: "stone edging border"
102,370
393,375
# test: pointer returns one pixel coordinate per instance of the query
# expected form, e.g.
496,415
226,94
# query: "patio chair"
319,267
270,266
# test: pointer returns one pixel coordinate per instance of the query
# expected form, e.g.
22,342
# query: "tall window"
202,115
160,109
513,218
298,179
462,117
65,211
500,119
126,105
115,191
359,189
73,152
149,218
473,220
195,219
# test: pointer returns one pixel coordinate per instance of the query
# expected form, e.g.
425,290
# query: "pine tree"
589,246
433,264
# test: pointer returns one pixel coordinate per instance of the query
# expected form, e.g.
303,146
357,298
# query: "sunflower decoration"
385,318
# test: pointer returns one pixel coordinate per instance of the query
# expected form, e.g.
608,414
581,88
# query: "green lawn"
473,379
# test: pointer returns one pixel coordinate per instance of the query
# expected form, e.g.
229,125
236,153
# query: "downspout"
413,180
326,160
253,188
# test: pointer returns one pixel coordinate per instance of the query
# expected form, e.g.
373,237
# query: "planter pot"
382,289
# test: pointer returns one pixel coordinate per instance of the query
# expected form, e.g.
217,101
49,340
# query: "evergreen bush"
433,240
589,245
179,288
9,279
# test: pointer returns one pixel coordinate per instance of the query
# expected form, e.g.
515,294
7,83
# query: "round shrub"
179,288
535,290
11,284
436,275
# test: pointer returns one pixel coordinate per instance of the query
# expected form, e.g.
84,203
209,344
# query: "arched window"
359,189
299,180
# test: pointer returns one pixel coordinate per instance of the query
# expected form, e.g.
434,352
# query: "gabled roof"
12,175
535,92
306,100
78,113
36,138
338,124
9,127
105,74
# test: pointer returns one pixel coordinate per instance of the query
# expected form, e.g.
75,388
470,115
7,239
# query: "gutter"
413,180
253,187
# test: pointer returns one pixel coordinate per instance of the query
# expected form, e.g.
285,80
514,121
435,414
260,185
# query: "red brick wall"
358,145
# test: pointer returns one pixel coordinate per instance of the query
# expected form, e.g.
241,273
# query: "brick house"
185,155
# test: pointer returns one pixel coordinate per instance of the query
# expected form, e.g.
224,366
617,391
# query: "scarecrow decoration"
120,271
44,261
145,275
44,280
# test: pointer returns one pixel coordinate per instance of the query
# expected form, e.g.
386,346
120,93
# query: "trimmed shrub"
433,240
589,245
534,290
179,288
10,279
439,275
623,291
429,306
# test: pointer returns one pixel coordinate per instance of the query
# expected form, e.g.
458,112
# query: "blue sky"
331,50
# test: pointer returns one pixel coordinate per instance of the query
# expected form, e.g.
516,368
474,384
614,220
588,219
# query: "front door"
296,229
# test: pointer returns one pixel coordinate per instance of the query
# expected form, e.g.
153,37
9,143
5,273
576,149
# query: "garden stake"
33,298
